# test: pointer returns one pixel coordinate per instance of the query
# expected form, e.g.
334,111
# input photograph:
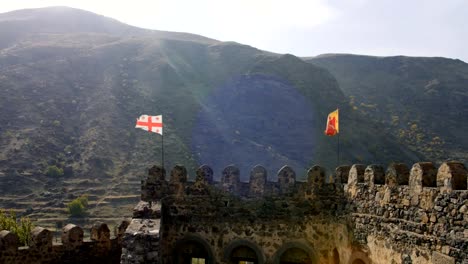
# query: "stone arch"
359,257
189,247
295,252
243,250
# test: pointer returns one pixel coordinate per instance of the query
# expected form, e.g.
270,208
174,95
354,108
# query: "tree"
77,207
54,171
21,228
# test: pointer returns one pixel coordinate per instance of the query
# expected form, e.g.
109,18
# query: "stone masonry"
366,214
100,248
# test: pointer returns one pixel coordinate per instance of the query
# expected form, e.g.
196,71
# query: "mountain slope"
20,24
71,93
421,101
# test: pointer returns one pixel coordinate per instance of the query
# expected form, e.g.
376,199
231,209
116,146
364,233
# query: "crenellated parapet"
99,248
422,206
156,186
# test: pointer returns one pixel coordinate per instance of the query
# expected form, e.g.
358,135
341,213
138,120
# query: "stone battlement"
100,248
155,187
360,214
423,176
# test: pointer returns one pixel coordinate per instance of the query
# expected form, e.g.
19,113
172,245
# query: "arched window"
295,256
243,255
358,261
243,252
192,251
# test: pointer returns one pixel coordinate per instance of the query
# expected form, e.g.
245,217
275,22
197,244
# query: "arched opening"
295,256
336,256
358,261
243,252
192,251
243,255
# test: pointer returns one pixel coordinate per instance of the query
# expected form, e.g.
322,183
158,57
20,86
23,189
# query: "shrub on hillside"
21,228
54,171
77,207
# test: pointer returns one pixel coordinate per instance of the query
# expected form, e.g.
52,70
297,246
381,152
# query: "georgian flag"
150,123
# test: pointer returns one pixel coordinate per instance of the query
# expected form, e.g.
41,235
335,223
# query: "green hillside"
71,93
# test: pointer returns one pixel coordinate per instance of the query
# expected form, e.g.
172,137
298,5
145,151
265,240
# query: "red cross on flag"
150,123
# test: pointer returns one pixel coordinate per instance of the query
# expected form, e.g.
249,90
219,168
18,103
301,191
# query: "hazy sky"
299,27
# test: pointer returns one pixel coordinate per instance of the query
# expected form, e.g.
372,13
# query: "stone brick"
258,180
72,236
439,258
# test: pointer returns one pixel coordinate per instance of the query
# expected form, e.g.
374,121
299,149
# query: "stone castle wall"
417,215
365,215
101,248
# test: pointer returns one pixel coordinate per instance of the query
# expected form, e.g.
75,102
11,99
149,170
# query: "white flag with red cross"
150,123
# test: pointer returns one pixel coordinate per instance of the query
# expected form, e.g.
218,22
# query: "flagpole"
338,152
162,151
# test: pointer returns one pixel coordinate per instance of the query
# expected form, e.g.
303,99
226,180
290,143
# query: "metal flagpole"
338,152
338,124
162,151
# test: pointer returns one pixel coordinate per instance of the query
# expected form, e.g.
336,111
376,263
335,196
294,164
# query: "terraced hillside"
73,83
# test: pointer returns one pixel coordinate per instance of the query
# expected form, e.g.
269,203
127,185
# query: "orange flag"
332,124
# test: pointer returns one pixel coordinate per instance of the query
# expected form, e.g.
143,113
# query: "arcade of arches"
194,250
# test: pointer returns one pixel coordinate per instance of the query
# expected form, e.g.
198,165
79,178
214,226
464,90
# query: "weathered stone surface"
100,233
391,223
42,250
230,179
342,173
147,210
422,174
178,180
141,242
204,174
286,179
356,174
439,258
178,174
316,176
72,236
374,174
120,230
452,176
41,238
8,241
156,174
155,186
258,180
